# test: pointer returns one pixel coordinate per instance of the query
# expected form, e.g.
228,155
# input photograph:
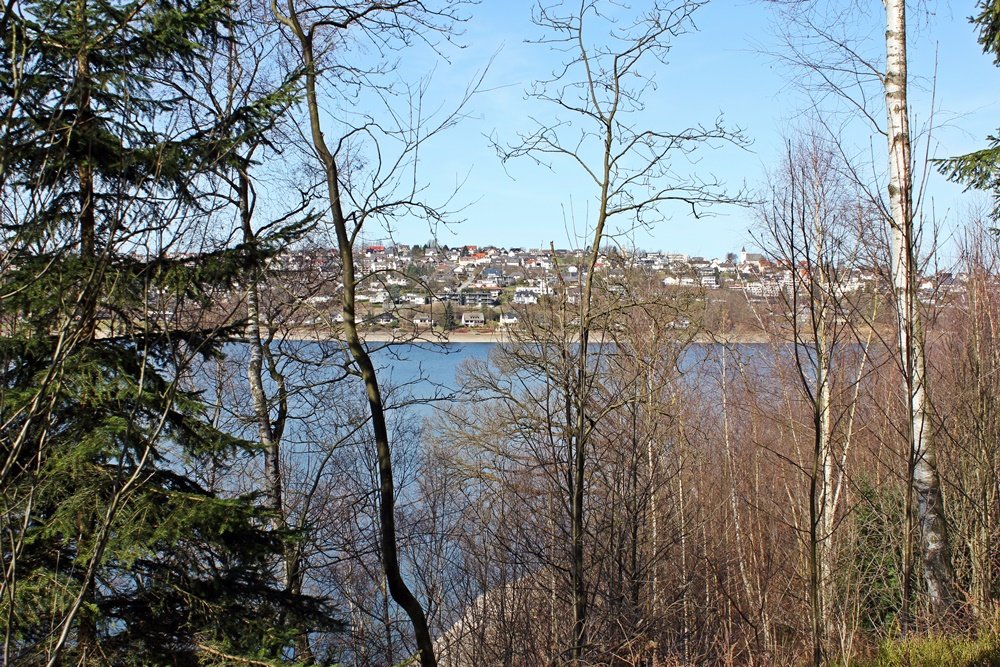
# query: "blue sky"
731,66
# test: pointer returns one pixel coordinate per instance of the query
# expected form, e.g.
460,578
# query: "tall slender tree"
378,193
924,480
845,73
627,161
814,221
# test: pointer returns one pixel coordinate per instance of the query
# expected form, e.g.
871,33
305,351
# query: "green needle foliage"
123,543
981,169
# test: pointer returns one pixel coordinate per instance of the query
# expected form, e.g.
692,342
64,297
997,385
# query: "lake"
416,376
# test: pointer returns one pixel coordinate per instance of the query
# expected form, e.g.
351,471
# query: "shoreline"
495,337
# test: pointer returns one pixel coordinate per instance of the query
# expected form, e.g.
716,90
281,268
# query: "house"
508,319
423,321
750,257
525,298
378,296
415,298
708,276
385,320
445,297
473,320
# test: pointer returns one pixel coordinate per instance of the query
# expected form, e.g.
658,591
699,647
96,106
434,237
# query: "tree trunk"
925,485
821,519
398,589
85,170
85,176
269,430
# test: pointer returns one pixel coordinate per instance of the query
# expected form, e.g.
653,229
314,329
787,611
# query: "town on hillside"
440,288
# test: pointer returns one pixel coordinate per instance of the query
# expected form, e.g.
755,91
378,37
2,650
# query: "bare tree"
964,359
854,74
814,225
384,188
925,483
631,168
519,428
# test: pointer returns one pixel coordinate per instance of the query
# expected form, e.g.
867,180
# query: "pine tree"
121,544
449,322
981,169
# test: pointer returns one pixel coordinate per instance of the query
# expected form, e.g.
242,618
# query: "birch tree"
814,223
928,512
847,71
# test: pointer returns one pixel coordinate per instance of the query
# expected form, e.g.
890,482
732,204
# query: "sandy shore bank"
493,337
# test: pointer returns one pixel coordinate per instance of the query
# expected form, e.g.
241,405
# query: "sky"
734,65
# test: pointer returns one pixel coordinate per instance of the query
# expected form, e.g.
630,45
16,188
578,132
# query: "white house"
416,298
508,319
525,297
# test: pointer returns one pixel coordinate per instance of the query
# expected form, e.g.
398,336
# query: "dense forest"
203,460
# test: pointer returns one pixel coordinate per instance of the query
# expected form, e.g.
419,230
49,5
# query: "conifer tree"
981,169
120,545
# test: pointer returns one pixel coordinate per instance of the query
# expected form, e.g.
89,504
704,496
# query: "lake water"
414,376
440,363
418,376
427,368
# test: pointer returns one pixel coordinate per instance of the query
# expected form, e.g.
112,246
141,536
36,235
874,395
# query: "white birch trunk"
924,478
824,300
